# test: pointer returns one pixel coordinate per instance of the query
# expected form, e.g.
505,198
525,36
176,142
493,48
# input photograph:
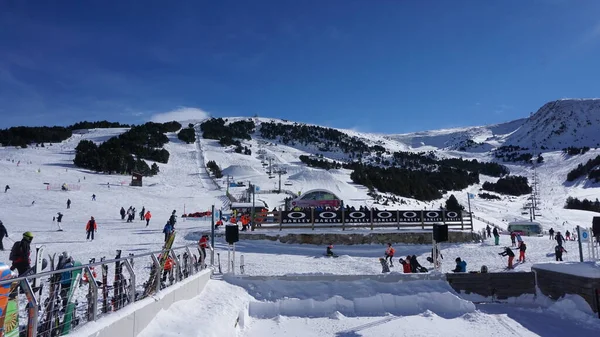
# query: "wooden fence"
311,219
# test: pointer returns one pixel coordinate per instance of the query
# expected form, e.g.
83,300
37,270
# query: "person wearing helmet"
3,234
19,254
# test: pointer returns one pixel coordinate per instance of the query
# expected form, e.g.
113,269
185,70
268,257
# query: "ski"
155,272
49,325
104,286
69,319
116,300
39,254
219,261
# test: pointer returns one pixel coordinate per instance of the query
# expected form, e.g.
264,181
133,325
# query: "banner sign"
296,217
364,217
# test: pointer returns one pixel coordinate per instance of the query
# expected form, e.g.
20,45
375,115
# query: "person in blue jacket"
461,266
168,230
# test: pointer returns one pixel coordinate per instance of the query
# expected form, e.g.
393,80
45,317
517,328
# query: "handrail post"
177,266
131,281
190,270
93,292
158,272
32,309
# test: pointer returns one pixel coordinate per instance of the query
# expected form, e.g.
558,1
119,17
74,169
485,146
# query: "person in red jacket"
405,266
203,244
389,253
147,216
90,228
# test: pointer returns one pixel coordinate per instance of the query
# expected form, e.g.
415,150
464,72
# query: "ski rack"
33,307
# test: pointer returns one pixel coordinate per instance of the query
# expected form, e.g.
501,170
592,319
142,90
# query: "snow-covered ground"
184,184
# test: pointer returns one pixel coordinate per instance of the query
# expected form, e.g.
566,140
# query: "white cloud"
180,115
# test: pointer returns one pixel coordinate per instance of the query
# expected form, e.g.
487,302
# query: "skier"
65,277
173,219
6,188
203,244
68,203
461,266
508,252
130,214
512,239
389,253
489,231
551,232
219,223
559,239
93,197
142,213
496,236
19,254
122,212
90,228
148,216
168,230
329,251
558,251
522,249
405,265
3,234
567,235
59,220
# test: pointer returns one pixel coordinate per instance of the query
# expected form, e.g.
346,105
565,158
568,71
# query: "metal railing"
67,298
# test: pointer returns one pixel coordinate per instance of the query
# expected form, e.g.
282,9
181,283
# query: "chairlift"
271,177
288,183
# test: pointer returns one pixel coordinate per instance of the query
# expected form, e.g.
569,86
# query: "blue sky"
380,65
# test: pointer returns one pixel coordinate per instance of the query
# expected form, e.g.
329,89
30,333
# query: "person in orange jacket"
168,269
147,216
389,253
219,223
233,220
245,222
90,228
203,243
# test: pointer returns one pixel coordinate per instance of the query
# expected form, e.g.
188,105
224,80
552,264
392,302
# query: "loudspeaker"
232,234
440,233
596,226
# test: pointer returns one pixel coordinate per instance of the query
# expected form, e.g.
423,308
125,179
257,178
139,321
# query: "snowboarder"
513,235
551,232
148,216
122,212
461,266
488,229
496,236
329,251
508,252
19,254
405,265
6,188
142,213
559,238
389,254
173,219
90,228
68,203
59,217
522,249
558,251
567,235
415,267
93,197
384,266
3,234
168,230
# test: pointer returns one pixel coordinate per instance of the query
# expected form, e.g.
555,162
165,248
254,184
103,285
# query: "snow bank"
443,304
582,269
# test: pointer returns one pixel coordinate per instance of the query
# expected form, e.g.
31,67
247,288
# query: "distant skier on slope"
148,216
90,228
59,217
3,234
329,251
522,249
560,239
488,229
122,212
551,232
6,188
558,252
